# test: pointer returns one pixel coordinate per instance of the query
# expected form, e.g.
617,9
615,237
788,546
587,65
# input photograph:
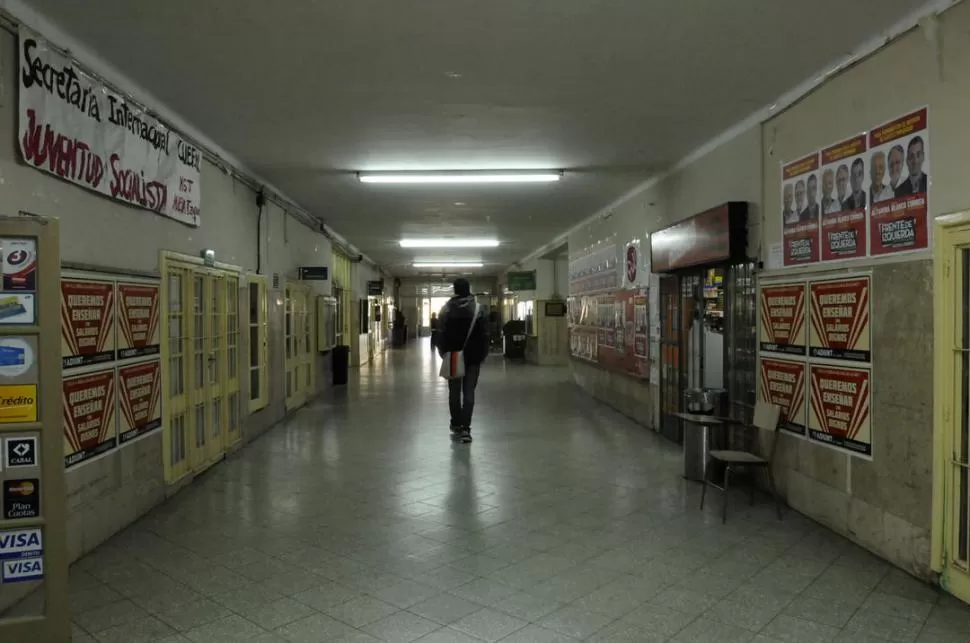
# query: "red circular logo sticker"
17,257
631,263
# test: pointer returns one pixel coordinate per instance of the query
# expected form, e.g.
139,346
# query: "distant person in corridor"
461,328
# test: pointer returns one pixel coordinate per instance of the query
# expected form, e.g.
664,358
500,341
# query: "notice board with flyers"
110,347
816,359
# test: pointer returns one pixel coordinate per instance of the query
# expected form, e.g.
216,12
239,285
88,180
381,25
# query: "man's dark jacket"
453,322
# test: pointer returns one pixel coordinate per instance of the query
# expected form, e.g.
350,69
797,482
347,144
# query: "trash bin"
700,440
514,332
340,364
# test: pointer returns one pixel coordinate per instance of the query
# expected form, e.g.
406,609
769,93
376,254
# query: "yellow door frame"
198,384
951,235
261,399
299,339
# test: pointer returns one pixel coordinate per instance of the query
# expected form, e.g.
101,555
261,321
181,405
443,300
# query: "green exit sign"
519,281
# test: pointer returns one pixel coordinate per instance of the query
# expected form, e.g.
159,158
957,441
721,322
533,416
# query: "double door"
202,393
300,344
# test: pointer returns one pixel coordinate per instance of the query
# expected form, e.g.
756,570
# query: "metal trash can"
700,440
340,365
696,449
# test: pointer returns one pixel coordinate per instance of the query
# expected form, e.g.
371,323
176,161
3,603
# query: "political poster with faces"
800,210
899,184
844,200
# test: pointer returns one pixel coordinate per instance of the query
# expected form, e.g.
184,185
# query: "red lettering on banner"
132,187
66,157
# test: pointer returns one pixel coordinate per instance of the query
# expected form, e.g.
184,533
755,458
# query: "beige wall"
107,494
731,172
884,504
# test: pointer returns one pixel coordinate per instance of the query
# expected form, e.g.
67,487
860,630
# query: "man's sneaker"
455,432
465,436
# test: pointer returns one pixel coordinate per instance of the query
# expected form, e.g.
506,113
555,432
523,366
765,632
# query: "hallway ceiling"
307,92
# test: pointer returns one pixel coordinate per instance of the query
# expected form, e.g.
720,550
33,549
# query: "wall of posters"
874,195
899,221
139,396
831,381
76,128
611,330
800,210
109,340
87,322
839,410
840,319
783,383
138,324
783,319
844,200
89,416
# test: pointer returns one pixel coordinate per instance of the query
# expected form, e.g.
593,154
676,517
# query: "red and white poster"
87,322
138,333
76,128
140,399
800,210
783,383
783,319
844,200
900,157
840,319
88,403
839,413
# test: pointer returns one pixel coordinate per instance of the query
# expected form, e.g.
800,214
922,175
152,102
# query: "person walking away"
462,330
434,330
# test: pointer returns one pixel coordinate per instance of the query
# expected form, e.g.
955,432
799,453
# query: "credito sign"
18,404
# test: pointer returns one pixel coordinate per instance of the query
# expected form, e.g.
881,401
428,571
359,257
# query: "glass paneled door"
951,470
202,394
300,344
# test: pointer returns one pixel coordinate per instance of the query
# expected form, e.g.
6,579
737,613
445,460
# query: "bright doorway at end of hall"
431,305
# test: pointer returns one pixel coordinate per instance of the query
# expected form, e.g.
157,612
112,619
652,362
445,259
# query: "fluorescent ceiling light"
459,177
447,264
444,242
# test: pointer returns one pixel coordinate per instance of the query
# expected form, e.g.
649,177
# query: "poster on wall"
74,127
87,322
783,383
783,319
841,319
839,412
800,210
844,200
139,396
88,403
138,333
899,216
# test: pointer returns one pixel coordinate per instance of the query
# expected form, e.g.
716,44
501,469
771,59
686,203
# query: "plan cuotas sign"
74,127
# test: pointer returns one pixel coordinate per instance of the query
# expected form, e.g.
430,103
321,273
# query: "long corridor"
359,520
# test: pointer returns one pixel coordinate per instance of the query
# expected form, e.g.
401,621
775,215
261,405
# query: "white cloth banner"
74,127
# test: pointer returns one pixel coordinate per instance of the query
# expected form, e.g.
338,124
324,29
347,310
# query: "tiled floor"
360,521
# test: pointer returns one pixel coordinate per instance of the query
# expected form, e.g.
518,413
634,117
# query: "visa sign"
20,543
23,569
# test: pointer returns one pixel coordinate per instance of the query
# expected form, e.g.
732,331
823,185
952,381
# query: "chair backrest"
766,416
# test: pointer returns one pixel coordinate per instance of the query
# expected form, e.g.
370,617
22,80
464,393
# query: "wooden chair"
766,417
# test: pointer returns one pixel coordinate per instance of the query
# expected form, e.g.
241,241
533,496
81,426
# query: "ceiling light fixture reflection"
447,264
444,242
414,178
